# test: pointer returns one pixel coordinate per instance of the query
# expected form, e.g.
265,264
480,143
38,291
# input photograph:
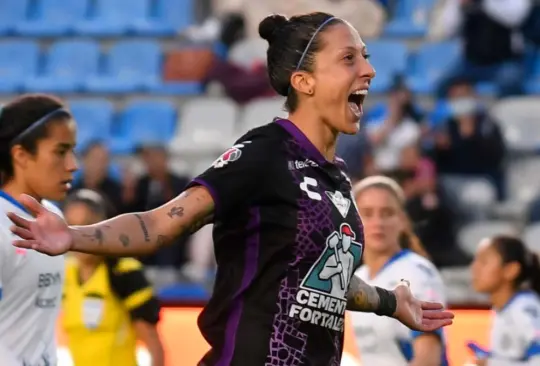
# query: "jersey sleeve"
131,286
528,321
238,175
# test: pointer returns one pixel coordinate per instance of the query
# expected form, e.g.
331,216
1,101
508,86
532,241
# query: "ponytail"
534,272
409,240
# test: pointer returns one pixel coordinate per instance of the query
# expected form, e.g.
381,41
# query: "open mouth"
67,183
356,100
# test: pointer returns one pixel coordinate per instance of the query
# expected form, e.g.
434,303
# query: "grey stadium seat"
470,235
531,236
260,112
520,122
207,127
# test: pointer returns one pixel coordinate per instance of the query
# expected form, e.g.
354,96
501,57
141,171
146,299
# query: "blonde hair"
408,239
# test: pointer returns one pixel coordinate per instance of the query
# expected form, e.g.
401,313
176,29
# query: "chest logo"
341,202
321,298
310,183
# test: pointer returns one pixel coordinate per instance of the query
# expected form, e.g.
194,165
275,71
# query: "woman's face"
383,219
489,273
341,78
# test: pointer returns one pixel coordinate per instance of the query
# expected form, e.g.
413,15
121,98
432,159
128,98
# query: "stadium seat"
248,52
171,17
470,235
53,18
410,20
532,84
12,12
430,64
207,127
18,60
260,112
66,67
388,58
94,119
144,122
523,177
114,17
131,66
520,122
531,236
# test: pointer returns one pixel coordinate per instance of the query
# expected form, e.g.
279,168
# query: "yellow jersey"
98,315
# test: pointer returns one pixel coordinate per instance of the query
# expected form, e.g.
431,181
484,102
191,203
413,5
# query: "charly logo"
321,298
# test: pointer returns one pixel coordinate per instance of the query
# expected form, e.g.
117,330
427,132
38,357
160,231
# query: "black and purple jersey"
287,240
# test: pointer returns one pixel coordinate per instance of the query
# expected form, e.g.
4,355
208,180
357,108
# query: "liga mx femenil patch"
322,297
232,154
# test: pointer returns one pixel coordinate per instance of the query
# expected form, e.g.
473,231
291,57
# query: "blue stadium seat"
171,17
130,66
144,122
532,85
94,120
389,59
66,68
53,18
410,20
12,12
115,17
18,60
430,64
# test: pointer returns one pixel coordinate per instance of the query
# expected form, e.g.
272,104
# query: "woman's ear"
303,82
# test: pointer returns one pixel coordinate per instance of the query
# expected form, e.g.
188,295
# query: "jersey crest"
232,154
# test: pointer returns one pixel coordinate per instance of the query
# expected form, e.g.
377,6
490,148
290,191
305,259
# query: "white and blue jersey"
384,341
30,296
515,332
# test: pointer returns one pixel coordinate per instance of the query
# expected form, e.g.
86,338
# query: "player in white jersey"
509,273
37,137
392,253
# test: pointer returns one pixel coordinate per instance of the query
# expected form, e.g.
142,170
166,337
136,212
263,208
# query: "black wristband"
387,302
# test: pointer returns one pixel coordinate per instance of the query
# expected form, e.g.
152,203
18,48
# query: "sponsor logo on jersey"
321,298
341,202
301,164
232,154
306,186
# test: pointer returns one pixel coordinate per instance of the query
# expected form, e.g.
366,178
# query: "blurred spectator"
493,42
397,127
96,175
153,189
427,206
355,150
470,142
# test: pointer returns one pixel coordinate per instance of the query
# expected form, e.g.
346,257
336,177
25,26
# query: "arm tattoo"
177,211
143,227
361,296
97,235
124,239
162,240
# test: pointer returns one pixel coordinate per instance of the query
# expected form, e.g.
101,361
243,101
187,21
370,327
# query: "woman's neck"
501,297
15,189
318,133
376,261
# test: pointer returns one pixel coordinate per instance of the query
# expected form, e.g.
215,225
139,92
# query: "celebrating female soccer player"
105,297
509,273
37,137
286,239
384,341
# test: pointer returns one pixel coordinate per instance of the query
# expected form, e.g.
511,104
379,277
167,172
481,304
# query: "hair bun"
269,25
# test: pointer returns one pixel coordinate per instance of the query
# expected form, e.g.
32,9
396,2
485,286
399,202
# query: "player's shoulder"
51,206
362,272
270,133
415,264
525,304
125,265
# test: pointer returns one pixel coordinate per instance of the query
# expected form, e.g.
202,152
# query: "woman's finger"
18,220
22,232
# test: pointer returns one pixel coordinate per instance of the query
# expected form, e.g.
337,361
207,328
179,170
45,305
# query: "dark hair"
93,200
15,118
287,40
512,250
407,238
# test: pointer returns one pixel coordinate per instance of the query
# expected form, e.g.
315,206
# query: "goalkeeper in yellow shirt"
108,305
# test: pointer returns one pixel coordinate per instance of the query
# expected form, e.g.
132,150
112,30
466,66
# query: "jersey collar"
302,140
518,294
13,201
392,259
